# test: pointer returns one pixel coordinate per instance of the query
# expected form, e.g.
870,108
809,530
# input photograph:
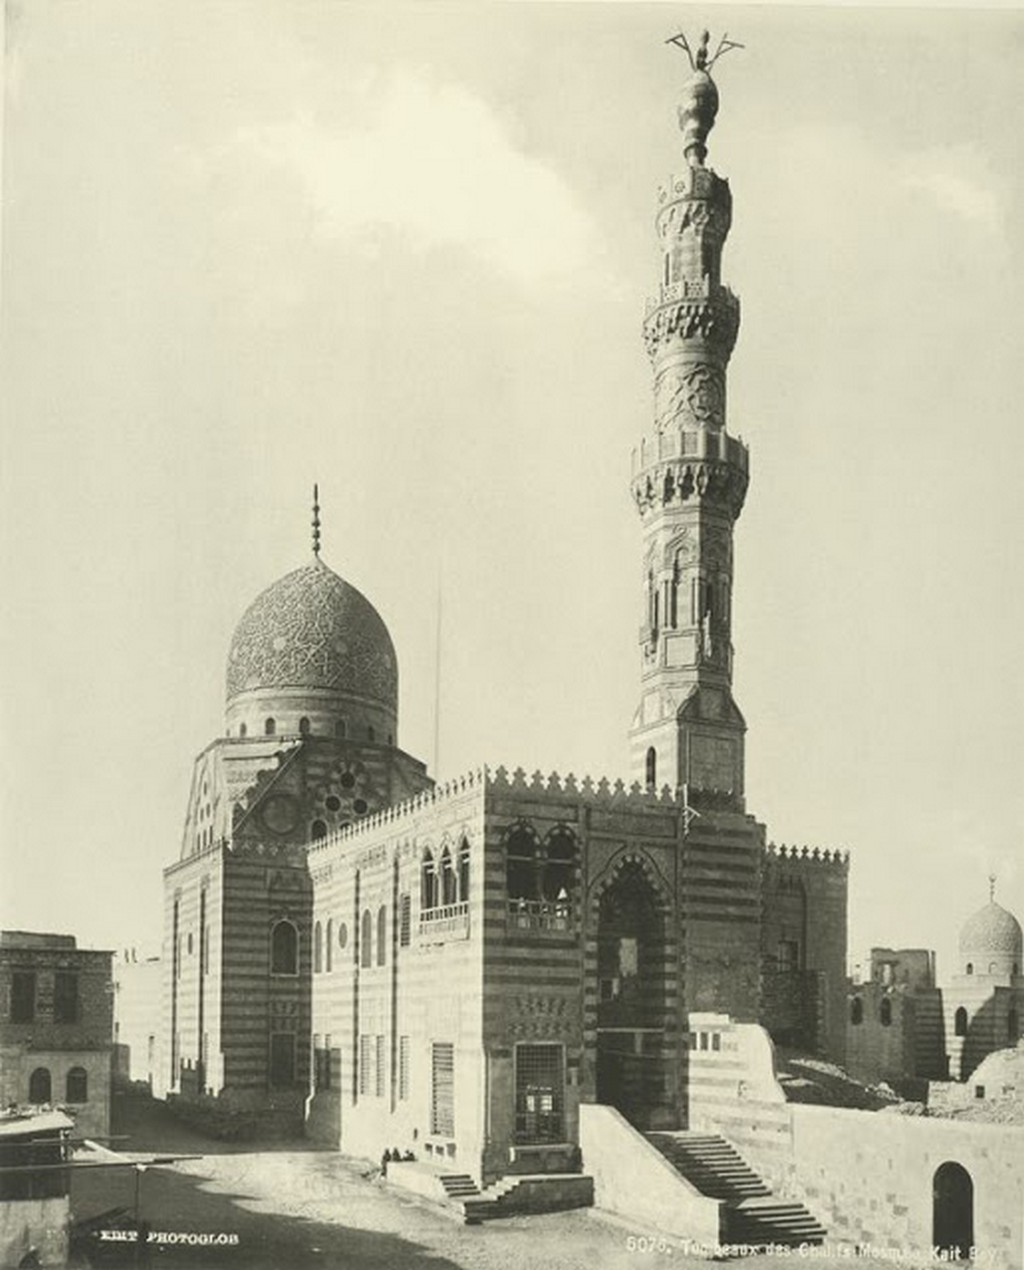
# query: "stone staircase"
517,1193
751,1213
459,1186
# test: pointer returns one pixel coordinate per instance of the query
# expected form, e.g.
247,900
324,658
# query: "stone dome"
992,930
312,631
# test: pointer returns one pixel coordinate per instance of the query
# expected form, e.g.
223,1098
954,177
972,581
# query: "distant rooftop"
34,939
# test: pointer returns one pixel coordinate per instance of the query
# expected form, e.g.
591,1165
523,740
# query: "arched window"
304,726
449,882
328,943
991,967
77,1085
339,729
464,870
522,850
651,768
366,937
1012,1026
428,882
284,949
382,935
885,1012
371,736
269,727
317,830
559,864
856,1010
243,731
39,1085
970,968
318,948
960,1022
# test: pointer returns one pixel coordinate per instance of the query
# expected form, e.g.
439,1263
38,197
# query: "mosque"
356,951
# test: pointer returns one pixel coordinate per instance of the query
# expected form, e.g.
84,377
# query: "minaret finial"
991,888
699,103
316,521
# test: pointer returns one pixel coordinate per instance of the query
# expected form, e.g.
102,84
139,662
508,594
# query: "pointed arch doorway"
636,1057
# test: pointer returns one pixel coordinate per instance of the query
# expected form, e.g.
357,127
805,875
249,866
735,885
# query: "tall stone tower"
689,480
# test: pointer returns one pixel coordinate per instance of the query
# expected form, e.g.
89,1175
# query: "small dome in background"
992,930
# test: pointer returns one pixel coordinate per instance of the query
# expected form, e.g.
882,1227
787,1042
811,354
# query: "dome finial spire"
991,888
316,520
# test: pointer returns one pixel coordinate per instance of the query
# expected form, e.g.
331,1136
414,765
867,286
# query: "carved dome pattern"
311,629
991,929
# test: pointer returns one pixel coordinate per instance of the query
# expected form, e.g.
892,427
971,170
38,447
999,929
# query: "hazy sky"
403,250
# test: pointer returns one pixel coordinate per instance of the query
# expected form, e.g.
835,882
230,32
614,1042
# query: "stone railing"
539,915
447,921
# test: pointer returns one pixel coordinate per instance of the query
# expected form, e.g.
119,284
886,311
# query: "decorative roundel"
332,802
280,813
347,779
311,629
360,806
342,934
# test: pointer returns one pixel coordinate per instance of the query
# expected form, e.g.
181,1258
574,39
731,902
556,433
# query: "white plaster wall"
634,1180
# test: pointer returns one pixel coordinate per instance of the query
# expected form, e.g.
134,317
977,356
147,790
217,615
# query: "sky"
402,250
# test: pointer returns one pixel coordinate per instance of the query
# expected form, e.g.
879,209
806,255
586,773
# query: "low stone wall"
633,1180
869,1176
866,1175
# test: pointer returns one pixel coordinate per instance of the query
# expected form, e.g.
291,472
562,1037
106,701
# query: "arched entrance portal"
635,989
953,1210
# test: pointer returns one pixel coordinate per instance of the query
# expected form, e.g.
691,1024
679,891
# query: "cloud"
435,164
958,184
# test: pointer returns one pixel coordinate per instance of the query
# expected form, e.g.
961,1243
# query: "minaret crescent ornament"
316,521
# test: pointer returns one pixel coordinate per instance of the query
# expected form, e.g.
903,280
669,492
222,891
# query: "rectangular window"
405,920
378,1087
282,1059
540,1093
23,996
442,1100
403,1068
327,1062
65,997
364,1064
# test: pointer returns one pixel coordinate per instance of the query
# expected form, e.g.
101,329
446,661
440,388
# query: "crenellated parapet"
810,857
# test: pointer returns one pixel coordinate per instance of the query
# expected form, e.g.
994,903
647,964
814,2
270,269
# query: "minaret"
689,479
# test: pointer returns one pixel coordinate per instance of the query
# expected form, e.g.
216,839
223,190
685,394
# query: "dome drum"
288,712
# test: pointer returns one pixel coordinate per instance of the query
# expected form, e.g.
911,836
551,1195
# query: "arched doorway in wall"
636,986
953,1210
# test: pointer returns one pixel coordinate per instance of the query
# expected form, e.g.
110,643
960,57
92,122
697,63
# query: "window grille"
540,1093
328,943
403,1068
405,920
364,1064
464,870
442,1100
378,1084
429,891
449,881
